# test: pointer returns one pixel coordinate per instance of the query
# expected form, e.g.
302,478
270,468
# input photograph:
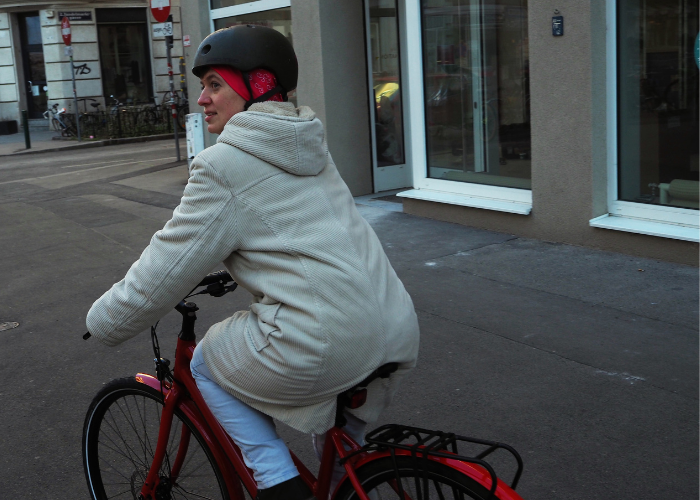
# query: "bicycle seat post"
187,309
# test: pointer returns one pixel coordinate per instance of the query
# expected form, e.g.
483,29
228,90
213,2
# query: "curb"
98,144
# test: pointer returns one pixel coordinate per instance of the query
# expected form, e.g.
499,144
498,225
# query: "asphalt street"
585,361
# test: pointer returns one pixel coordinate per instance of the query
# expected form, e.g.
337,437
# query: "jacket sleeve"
201,233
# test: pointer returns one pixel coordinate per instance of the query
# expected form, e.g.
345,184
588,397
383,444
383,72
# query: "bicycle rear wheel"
119,438
379,480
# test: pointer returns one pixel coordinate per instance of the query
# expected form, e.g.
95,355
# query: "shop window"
124,55
278,19
477,95
657,106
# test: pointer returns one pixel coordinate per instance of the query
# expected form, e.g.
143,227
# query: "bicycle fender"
190,411
474,471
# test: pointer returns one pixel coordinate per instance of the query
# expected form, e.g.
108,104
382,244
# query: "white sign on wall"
162,29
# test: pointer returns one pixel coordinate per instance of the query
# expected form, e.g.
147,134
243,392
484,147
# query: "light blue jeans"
264,452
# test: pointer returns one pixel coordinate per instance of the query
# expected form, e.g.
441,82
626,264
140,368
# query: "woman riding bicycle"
267,200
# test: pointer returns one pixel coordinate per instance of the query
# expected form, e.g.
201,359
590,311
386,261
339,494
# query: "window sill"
643,226
512,207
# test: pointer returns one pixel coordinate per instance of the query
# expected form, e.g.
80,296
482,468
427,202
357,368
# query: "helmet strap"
266,96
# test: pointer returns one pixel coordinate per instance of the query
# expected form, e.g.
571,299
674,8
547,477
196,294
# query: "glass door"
33,63
386,90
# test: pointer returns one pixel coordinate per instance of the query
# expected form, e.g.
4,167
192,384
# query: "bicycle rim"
438,481
119,439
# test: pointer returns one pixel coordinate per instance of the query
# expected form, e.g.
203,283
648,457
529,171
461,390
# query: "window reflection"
126,69
386,81
658,102
477,95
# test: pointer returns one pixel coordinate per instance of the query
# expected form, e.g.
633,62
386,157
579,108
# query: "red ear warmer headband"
260,80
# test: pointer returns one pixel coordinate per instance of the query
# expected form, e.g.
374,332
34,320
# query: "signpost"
161,13
65,33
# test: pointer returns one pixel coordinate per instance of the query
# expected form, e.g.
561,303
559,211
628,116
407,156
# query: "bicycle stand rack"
423,443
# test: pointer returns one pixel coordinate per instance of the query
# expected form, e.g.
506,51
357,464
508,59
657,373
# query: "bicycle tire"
443,481
118,454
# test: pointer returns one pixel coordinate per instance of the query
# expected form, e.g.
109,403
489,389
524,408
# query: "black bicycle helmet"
246,48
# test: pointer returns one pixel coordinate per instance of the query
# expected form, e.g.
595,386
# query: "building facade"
567,121
115,55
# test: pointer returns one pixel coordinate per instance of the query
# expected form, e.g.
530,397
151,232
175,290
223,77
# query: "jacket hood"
278,133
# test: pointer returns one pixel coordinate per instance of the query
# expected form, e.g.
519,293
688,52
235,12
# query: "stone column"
329,39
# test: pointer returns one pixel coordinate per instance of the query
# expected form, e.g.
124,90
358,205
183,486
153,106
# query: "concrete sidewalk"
585,361
49,141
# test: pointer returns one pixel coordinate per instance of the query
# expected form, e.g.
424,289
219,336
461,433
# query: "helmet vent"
206,49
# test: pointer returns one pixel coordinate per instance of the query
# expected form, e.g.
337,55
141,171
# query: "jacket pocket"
266,315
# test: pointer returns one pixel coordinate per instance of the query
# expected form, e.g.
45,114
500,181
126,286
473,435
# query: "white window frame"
246,8
642,218
503,199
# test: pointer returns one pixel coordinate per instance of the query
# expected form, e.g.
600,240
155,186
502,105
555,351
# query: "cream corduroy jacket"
327,306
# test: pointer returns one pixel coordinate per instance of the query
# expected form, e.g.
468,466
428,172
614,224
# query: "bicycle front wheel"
119,439
381,481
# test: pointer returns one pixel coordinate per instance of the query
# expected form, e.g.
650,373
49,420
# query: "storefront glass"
279,19
125,57
477,95
658,102
386,82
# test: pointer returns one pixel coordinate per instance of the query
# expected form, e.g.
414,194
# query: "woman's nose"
203,98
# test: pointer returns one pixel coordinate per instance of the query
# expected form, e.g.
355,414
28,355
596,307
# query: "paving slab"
614,280
618,344
171,181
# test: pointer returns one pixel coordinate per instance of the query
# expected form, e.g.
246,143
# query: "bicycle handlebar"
220,277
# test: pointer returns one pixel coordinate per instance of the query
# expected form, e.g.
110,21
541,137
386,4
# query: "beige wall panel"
159,49
8,92
61,71
4,21
82,52
5,38
6,56
7,75
80,33
84,88
9,111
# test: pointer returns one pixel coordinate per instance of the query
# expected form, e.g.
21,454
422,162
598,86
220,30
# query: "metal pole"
75,97
168,46
25,125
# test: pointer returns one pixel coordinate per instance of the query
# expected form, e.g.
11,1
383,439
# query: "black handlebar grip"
216,277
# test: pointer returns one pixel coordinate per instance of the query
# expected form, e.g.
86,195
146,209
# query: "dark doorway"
33,63
125,55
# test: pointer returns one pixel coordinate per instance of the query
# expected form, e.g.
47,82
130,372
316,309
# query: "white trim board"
651,228
498,205
248,8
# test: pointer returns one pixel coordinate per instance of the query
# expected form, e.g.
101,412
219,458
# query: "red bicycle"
153,438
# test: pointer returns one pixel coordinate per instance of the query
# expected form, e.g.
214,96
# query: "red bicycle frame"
182,394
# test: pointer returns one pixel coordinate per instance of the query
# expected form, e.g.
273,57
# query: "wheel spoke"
121,442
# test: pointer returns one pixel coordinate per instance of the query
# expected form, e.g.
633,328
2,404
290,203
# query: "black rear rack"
424,443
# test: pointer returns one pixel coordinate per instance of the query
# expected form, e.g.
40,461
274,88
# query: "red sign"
160,10
65,30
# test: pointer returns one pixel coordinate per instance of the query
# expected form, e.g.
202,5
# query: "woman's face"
219,100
